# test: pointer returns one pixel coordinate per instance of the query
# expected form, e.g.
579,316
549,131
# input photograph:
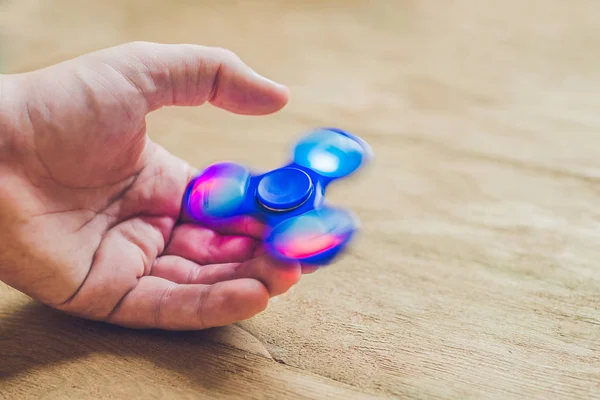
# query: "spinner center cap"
284,189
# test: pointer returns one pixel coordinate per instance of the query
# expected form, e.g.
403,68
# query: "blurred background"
476,271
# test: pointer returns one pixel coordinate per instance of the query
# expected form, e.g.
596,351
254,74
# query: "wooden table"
477,271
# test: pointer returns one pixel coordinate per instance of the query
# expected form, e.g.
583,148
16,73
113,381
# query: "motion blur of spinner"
290,199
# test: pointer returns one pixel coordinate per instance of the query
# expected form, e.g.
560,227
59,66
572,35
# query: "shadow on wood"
48,347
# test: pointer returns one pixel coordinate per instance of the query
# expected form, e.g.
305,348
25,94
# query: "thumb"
191,75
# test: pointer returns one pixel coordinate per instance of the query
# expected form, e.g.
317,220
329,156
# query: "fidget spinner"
289,200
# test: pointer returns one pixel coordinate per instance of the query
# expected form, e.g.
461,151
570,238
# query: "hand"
90,206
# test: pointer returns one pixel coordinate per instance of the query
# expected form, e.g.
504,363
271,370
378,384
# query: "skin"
90,207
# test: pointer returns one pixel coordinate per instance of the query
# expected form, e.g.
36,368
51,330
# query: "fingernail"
267,79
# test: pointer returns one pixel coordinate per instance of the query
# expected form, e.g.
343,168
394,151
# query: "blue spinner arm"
290,199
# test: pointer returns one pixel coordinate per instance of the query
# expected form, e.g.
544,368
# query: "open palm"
90,206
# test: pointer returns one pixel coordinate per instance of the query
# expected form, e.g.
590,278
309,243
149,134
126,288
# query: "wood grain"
48,355
476,274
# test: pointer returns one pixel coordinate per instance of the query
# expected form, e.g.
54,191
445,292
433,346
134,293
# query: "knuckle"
163,298
226,55
201,307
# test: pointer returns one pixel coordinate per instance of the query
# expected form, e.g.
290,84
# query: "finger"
243,226
308,269
276,276
190,75
158,303
205,246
